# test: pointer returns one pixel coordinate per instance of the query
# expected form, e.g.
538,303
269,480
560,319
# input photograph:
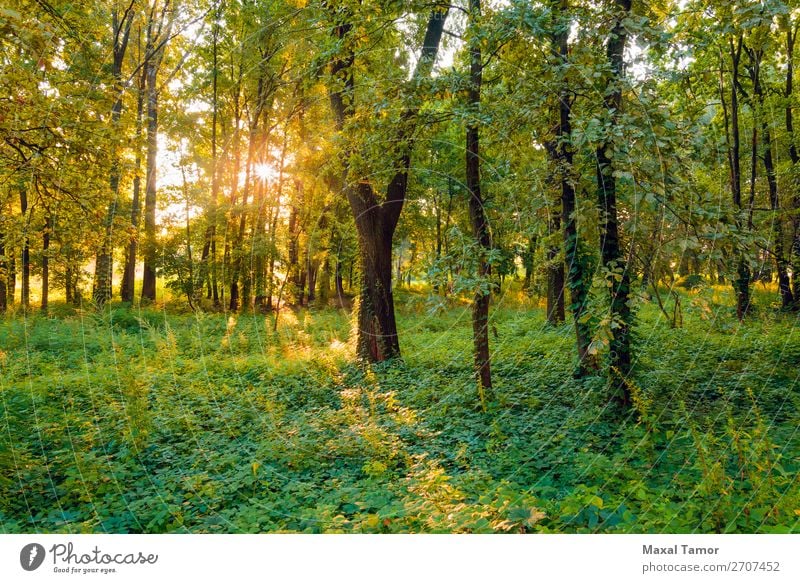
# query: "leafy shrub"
691,282
141,421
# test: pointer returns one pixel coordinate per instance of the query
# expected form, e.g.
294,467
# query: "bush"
692,282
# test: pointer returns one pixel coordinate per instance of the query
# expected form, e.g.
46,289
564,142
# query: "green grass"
148,421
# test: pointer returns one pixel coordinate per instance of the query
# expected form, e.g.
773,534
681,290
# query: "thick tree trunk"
377,329
618,275
323,293
376,221
683,265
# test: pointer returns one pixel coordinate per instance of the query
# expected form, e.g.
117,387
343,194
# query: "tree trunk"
68,289
791,36
237,250
683,265
555,276
376,221
190,295
294,252
528,256
3,270
275,213
399,275
350,275
578,269
230,226
339,282
12,276
208,259
26,253
254,139
149,278
438,244
48,225
618,276
477,214
311,277
103,272
157,36
741,283
377,329
259,238
129,272
781,263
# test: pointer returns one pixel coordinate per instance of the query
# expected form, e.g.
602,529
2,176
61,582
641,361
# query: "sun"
265,171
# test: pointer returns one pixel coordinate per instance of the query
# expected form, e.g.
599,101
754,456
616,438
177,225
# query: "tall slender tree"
477,213
121,24
614,262
578,270
790,28
159,28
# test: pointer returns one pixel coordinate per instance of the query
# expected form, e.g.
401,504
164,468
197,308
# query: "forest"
380,266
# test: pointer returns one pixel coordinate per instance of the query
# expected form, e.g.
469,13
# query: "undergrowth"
131,420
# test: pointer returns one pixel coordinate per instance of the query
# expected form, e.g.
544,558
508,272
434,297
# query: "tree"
129,271
121,29
158,30
614,263
480,226
791,28
376,220
578,276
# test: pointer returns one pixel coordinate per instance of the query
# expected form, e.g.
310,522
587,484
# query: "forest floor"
152,420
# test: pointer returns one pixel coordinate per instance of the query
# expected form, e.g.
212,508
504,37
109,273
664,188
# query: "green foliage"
168,418
143,421
690,282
